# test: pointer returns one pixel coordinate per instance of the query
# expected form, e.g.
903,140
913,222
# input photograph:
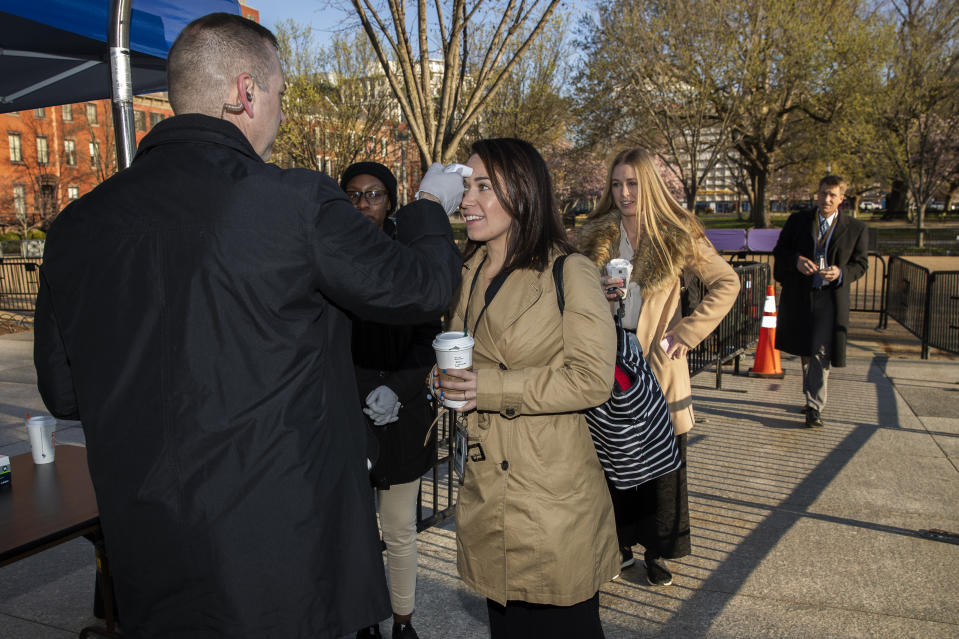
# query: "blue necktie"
817,281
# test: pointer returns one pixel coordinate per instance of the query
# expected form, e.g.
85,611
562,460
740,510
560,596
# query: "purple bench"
762,240
727,240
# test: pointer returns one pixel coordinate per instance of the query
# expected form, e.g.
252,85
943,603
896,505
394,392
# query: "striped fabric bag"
632,431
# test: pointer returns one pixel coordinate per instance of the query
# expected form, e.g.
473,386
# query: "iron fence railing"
867,294
739,330
942,312
925,302
19,282
437,496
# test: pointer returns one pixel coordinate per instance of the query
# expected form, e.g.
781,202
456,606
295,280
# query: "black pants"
524,620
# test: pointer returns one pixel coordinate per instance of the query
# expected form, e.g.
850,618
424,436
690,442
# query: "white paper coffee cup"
454,350
42,440
620,269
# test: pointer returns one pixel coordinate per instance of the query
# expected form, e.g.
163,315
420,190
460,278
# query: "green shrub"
36,234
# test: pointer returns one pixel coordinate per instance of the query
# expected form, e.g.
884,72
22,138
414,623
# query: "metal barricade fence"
19,282
739,330
867,294
437,498
925,303
942,312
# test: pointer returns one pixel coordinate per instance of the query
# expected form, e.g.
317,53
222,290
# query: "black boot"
368,633
404,631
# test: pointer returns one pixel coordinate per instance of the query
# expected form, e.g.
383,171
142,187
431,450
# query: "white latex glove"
445,184
383,405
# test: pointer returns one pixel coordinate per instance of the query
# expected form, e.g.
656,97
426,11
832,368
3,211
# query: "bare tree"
441,84
644,85
761,70
337,104
530,103
921,112
36,173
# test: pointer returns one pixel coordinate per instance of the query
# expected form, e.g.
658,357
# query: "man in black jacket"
193,315
818,255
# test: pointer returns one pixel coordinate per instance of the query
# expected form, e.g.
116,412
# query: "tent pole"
121,76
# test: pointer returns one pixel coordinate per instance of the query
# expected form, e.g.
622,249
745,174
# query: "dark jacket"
847,249
191,314
399,357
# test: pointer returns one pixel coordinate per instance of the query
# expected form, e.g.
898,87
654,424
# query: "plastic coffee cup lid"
452,341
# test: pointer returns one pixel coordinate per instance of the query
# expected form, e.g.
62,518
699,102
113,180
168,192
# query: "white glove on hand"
383,405
445,184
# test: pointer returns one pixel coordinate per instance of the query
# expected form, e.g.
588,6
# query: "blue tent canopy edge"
55,52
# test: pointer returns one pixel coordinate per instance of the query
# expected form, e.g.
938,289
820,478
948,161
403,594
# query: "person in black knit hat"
391,364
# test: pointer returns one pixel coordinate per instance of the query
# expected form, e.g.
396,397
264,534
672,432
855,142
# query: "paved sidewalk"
796,533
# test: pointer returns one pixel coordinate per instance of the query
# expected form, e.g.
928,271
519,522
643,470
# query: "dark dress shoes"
813,420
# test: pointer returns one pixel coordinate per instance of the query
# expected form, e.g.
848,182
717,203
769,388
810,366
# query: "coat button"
510,412
502,366
504,465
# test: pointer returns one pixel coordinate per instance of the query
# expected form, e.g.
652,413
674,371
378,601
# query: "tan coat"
534,520
661,310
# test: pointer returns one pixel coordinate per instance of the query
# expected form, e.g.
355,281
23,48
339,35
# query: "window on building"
20,200
140,120
16,151
40,113
92,113
70,152
94,152
73,192
66,112
43,151
155,119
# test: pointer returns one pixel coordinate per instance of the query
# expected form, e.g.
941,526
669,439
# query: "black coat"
847,249
191,314
399,357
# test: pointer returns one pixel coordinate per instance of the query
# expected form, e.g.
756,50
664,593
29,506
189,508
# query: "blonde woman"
638,220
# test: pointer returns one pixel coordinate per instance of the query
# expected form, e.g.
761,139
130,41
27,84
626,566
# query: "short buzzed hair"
833,180
210,53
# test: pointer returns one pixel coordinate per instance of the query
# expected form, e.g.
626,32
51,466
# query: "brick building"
56,154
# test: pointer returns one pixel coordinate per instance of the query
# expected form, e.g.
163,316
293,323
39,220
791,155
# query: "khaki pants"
397,508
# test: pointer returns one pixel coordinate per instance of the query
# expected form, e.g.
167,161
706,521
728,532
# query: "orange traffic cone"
767,357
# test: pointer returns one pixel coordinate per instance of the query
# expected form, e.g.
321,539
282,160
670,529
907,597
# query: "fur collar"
599,241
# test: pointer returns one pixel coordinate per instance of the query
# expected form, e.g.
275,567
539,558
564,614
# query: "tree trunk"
758,212
691,192
920,230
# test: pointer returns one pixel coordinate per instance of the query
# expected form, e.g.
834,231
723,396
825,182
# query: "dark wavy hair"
521,181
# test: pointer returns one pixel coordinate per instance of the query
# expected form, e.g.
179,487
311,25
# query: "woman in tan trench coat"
636,210
534,522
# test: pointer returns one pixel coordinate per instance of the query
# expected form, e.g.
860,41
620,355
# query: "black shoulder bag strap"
558,282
